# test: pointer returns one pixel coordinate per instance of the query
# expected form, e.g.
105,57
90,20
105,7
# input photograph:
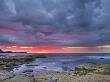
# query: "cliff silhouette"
1,51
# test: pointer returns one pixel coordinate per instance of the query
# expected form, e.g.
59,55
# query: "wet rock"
29,70
20,78
5,75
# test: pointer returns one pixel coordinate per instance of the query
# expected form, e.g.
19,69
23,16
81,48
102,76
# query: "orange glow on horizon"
104,46
42,52
55,49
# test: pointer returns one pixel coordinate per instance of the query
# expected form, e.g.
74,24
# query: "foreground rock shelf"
91,72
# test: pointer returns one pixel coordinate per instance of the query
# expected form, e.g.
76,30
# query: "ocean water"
61,62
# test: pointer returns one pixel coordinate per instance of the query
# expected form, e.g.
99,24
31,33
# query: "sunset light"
54,40
56,49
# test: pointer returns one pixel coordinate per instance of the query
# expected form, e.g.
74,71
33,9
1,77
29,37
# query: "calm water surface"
61,62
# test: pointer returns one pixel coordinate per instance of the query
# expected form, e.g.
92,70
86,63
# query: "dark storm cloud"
63,22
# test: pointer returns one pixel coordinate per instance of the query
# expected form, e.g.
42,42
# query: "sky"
55,26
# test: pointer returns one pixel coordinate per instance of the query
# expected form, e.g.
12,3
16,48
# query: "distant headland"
1,51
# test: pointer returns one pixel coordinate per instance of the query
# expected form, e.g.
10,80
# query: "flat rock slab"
5,75
19,78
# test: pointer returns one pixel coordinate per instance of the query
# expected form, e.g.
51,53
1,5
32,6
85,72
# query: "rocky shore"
91,72
8,63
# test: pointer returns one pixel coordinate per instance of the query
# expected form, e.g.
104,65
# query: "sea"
61,62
